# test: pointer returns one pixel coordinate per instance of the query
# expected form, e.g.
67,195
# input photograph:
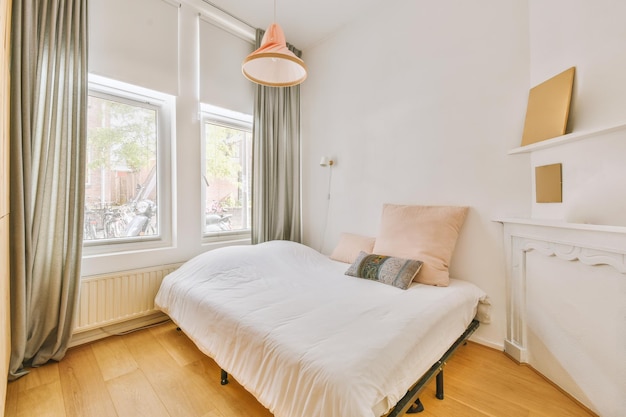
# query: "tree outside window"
121,194
226,178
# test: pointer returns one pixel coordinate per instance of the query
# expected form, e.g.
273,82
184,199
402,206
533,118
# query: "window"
125,200
227,161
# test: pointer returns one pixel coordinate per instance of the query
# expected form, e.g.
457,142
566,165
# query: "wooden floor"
159,372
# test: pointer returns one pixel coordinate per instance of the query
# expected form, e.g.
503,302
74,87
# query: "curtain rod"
229,14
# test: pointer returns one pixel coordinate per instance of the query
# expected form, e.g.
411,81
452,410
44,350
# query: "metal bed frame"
412,395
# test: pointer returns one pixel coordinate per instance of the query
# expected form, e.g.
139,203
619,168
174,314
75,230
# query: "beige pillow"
350,245
425,233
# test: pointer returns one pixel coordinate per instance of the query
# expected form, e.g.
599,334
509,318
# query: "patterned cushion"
386,269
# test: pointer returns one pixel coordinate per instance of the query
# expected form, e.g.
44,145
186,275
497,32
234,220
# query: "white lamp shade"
273,64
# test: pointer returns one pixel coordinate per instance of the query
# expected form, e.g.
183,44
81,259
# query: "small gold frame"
549,184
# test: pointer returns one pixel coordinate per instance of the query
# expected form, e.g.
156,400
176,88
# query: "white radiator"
118,297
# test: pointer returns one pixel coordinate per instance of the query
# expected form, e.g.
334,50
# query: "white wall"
591,37
419,103
577,338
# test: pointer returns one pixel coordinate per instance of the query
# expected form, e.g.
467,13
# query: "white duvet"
307,340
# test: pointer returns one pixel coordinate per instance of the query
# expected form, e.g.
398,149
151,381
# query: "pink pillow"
424,233
350,245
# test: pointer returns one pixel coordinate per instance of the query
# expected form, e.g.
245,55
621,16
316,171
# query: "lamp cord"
330,176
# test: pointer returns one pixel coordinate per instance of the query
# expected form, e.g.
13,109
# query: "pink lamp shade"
273,64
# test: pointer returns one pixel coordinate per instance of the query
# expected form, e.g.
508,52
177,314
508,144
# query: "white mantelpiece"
568,321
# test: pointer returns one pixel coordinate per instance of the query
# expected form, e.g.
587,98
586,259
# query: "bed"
308,340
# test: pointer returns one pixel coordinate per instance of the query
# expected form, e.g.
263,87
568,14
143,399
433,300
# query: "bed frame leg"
439,393
224,379
416,407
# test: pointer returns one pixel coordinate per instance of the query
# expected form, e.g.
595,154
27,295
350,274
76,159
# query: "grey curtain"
48,133
276,210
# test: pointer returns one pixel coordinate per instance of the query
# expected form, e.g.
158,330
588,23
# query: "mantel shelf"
570,235
569,138
563,225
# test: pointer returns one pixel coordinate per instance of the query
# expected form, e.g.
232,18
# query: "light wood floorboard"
159,372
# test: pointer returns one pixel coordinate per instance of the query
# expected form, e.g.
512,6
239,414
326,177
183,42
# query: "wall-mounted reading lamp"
326,161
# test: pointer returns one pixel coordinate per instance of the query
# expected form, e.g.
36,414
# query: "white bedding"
307,340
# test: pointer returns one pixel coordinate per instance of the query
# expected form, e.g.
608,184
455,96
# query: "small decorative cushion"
386,269
428,233
350,245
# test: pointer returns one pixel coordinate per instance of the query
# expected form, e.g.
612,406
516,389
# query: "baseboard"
92,335
485,342
516,352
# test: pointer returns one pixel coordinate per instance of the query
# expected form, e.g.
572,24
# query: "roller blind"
221,81
135,41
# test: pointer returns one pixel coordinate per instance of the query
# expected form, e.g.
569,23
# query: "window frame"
227,118
164,105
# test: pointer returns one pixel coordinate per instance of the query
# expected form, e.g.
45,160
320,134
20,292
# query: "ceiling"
305,22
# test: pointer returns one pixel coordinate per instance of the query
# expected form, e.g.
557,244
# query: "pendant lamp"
273,64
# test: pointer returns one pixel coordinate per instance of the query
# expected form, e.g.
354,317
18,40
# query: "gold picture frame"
549,183
548,108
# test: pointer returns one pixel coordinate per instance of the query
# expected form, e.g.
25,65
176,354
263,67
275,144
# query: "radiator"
118,297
